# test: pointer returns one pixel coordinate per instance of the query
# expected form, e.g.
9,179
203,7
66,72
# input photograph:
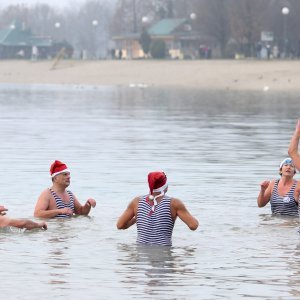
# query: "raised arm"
42,207
293,147
179,209
128,218
265,192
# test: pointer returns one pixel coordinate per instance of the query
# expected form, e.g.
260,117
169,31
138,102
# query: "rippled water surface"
215,148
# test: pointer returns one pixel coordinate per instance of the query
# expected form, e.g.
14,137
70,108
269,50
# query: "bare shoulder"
46,192
134,202
176,203
45,195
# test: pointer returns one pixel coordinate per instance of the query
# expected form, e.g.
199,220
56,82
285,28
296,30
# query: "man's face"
63,179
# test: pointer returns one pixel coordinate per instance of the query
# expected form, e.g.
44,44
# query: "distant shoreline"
233,75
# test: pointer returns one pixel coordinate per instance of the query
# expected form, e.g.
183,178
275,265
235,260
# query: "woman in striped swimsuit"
281,192
57,201
155,214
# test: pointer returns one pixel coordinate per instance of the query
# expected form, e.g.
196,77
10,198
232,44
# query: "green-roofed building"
17,41
167,27
181,41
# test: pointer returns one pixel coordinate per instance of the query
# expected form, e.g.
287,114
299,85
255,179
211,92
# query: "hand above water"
91,202
43,225
2,210
264,185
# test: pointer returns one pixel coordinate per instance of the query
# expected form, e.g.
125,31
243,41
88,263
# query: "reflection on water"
59,253
149,271
215,148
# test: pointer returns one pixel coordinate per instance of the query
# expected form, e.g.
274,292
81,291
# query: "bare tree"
247,22
89,28
91,25
214,16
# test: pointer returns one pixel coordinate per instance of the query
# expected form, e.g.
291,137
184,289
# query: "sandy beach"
200,74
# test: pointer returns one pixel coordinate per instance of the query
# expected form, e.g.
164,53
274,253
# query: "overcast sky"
53,3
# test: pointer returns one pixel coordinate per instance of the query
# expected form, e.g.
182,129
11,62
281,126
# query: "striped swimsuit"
156,228
61,204
285,205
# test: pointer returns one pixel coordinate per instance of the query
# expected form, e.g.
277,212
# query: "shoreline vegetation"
253,75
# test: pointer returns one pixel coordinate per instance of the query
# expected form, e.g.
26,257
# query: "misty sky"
53,3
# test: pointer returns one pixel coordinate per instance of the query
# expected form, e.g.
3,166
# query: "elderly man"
155,214
57,201
19,223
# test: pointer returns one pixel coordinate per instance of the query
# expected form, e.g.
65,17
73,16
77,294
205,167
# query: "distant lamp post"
145,38
57,27
95,24
285,12
190,46
192,17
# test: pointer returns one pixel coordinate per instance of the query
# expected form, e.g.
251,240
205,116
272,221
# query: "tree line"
232,23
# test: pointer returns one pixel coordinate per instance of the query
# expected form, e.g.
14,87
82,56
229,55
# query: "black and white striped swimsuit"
285,205
155,228
61,204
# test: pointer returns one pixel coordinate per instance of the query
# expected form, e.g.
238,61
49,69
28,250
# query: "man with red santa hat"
57,201
155,214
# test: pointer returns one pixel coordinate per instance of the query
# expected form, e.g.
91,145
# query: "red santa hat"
58,167
157,182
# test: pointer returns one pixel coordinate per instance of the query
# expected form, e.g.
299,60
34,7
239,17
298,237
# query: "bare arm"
293,147
179,209
128,218
83,209
42,207
265,192
21,223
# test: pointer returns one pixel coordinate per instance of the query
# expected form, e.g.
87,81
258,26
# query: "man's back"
155,227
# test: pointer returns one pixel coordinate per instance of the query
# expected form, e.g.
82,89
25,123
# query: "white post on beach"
285,12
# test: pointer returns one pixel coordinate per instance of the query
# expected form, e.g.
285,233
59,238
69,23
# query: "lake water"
216,148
